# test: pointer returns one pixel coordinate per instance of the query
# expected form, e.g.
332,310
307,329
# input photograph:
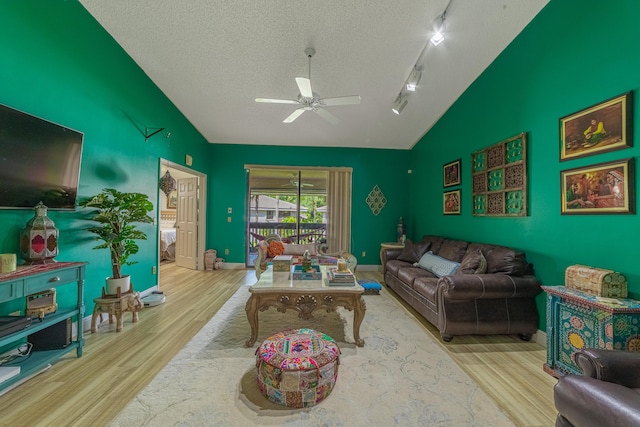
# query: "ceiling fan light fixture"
399,104
413,80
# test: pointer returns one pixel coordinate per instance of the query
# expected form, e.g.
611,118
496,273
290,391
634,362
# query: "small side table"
116,306
392,245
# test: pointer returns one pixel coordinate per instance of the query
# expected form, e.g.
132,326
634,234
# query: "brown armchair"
606,394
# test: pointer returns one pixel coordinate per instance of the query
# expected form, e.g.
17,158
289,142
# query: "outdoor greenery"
310,202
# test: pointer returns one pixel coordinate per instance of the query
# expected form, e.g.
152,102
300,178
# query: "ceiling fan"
310,101
293,182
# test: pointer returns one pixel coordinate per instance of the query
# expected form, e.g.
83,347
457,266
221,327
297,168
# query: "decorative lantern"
167,183
39,239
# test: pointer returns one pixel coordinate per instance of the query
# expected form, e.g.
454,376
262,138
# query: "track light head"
399,104
437,38
413,80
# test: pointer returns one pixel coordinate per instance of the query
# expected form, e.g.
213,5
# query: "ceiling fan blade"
276,101
293,115
304,84
341,100
327,116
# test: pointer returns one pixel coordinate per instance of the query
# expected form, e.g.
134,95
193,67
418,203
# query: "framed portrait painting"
451,202
606,126
451,173
605,188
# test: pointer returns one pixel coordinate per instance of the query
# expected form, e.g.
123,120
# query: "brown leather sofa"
492,291
606,394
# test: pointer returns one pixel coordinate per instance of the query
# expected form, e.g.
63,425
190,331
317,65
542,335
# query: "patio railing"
309,232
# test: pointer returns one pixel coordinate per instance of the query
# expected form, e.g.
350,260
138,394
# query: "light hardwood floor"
93,389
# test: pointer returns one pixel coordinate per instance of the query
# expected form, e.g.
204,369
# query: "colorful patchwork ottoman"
297,368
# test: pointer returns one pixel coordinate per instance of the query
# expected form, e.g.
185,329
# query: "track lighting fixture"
438,36
399,104
413,80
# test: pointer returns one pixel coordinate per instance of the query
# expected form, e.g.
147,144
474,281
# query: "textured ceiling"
213,58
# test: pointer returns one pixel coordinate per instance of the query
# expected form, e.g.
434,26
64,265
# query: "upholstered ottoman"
297,368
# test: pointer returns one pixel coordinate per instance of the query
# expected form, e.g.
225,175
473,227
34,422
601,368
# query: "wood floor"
93,389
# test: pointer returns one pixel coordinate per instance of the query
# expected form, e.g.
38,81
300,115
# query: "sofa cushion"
473,262
393,266
427,287
408,274
453,250
275,248
437,265
435,242
505,260
413,251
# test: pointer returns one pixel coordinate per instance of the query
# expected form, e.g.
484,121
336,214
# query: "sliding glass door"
290,202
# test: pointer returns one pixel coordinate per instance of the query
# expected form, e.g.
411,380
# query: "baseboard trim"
367,268
540,337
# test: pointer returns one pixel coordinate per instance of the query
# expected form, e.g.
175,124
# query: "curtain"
339,211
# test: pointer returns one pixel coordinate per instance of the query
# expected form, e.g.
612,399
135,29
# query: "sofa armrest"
388,254
585,401
616,366
478,286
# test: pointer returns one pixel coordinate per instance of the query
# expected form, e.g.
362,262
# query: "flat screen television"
39,161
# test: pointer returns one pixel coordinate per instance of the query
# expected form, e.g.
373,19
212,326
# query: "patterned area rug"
400,377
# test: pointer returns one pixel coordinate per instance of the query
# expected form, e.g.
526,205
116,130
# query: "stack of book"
343,278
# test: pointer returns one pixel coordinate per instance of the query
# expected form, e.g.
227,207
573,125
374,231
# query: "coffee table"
305,296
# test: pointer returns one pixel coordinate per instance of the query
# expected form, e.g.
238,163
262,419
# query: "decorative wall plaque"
499,178
376,200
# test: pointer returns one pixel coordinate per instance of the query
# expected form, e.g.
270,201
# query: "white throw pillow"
437,265
291,249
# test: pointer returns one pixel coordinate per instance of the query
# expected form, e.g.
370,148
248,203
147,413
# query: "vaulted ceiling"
213,58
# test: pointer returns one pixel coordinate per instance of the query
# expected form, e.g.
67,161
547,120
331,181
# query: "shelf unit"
27,280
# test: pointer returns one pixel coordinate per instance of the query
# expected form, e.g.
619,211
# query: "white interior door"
187,224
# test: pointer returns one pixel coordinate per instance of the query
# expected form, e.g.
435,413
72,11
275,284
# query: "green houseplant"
116,216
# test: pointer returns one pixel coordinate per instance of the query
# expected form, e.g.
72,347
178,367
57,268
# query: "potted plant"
116,214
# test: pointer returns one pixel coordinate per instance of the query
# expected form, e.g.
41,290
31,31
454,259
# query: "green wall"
385,168
574,54
57,63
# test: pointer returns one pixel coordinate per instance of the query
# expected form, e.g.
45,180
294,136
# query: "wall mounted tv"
39,161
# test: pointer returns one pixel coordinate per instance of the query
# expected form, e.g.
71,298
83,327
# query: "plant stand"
116,305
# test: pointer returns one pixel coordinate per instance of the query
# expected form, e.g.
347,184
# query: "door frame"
202,209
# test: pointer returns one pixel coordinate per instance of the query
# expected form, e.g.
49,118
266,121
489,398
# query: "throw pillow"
275,248
413,251
473,262
437,265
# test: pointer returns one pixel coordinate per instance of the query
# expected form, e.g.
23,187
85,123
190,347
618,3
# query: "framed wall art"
605,188
499,178
451,173
172,199
606,126
451,202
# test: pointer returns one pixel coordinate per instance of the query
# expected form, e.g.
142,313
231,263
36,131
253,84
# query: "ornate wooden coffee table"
279,291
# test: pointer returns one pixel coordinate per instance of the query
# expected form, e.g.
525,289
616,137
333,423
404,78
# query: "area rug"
400,377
